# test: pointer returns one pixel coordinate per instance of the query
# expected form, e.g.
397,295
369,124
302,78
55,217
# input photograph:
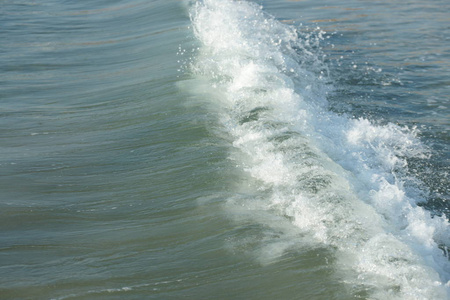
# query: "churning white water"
341,183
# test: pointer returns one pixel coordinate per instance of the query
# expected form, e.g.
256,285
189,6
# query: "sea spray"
342,182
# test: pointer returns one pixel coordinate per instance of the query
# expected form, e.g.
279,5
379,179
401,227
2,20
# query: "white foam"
341,181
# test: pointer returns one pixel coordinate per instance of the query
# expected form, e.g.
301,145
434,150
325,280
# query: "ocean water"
223,149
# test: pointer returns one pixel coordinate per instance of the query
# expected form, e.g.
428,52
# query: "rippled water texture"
224,149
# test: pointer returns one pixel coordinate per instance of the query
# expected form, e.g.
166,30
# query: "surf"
341,183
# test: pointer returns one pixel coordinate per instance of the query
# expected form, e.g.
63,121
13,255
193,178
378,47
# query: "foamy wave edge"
343,181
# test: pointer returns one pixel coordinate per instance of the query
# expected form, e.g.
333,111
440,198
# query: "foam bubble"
342,182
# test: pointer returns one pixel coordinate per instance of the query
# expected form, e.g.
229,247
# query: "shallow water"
167,149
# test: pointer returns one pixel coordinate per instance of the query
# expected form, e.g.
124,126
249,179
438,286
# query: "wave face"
341,183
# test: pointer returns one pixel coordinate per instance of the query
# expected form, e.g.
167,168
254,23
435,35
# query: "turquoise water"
224,150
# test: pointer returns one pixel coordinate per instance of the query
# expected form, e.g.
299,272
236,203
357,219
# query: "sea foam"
342,182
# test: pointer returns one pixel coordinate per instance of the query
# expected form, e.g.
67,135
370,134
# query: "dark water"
168,149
